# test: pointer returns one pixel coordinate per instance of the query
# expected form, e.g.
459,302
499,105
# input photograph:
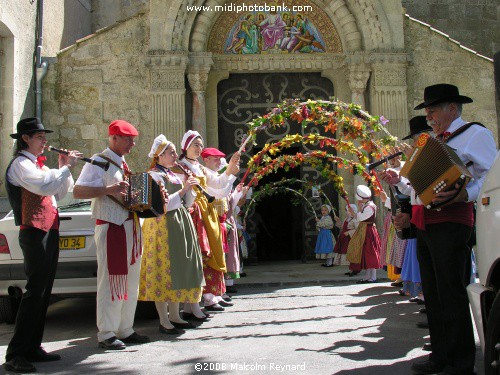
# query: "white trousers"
115,318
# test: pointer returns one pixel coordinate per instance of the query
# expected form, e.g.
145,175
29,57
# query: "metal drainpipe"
40,67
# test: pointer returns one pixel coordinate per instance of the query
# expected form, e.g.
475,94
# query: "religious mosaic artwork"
279,30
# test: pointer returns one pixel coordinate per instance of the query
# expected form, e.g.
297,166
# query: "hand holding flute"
70,158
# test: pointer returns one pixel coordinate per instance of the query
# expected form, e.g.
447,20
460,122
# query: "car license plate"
72,243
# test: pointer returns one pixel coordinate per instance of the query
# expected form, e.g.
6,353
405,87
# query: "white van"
484,296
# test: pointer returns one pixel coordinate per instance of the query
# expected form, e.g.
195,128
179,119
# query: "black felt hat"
29,125
442,93
418,124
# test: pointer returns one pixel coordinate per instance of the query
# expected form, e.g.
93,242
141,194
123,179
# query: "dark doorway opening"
277,221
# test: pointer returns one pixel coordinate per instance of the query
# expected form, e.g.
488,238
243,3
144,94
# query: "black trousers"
443,253
41,253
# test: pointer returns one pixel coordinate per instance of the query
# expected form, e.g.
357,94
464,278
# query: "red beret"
121,127
211,151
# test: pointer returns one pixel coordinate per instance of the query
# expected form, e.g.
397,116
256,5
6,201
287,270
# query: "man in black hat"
32,189
443,234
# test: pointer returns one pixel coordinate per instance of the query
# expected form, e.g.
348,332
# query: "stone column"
359,72
388,91
198,69
168,93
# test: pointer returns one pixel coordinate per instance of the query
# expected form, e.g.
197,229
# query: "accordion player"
144,196
434,167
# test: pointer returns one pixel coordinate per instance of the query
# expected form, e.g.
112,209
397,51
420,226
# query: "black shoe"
231,289
423,310
112,344
135,338
190,316
427,367
366,281
186,325
40,355
326,265
348,273
214,307
225,304
427,347
227,298
398,284
170,331
19,365
423,325
243,274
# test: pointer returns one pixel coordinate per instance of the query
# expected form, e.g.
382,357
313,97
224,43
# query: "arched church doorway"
281,230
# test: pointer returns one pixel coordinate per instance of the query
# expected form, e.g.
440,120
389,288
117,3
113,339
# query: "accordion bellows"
434,167
144,196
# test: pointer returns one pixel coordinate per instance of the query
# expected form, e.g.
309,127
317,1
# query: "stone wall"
98,80
474,23
436,59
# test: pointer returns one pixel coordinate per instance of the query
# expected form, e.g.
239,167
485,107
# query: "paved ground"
319,322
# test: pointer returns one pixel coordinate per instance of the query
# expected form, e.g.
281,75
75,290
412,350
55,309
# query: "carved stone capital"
167,79
395,76
358,78
198,80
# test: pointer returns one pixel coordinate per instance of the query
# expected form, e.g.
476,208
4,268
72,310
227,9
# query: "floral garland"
317,159
348,120
289,140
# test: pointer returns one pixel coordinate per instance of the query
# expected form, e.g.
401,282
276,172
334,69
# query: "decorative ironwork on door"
243,97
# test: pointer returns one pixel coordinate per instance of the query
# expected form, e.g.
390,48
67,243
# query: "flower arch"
356,133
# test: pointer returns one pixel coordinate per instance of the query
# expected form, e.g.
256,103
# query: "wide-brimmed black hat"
418,124
442,93
29,125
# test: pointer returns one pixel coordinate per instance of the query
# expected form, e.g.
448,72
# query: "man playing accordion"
443,234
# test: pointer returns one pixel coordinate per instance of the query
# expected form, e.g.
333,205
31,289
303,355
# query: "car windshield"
71,204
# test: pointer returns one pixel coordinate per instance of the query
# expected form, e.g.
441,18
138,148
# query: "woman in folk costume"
205,216
347,229
325,241
215,161
171,269
366,237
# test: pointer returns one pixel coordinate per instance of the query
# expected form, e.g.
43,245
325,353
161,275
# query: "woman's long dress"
206,221
171,268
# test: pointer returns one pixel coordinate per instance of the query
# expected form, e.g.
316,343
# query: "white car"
77,268
484,296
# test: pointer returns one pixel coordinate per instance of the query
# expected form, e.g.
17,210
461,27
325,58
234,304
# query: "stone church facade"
166,67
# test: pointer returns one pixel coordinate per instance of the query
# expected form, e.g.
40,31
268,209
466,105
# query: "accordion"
144,196
434,167
401,203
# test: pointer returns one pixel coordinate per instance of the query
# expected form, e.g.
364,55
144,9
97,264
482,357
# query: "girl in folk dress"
325,241
171,269
205,216
346,231
370,251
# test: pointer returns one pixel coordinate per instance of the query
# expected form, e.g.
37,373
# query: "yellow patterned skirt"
156,282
